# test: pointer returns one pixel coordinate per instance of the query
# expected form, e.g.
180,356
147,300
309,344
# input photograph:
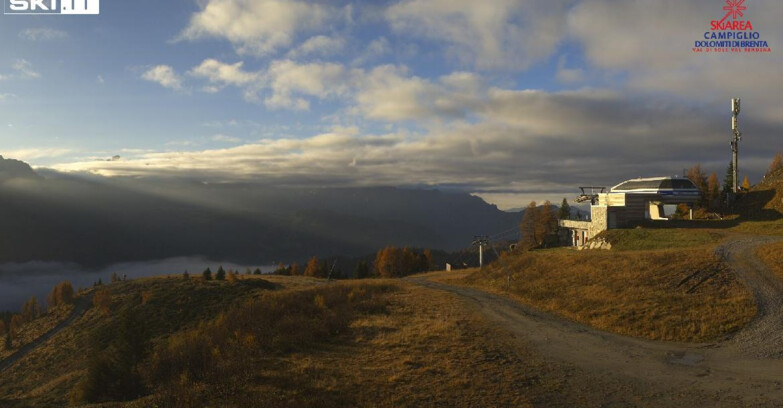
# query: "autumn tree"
314,268
564,212
296,270
745,184
16,324
538,224
2,327
713,190
232,276
61,294
528,226
777,164
31,310
699,178
115,277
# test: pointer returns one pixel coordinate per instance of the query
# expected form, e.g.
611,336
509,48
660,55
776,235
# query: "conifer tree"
220,274
565,210
207,274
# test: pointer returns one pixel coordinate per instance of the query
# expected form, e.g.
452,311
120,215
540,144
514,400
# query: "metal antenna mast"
735,110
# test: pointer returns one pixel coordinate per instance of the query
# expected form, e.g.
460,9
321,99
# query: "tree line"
11,325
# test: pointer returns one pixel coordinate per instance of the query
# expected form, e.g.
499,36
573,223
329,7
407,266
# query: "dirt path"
745,370
82,305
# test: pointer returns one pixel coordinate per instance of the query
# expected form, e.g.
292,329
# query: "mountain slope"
98,221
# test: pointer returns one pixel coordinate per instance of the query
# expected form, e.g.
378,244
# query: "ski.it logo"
51,6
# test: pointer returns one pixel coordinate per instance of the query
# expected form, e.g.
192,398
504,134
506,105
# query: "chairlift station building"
628,203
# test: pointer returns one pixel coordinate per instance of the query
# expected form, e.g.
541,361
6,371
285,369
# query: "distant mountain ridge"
99,221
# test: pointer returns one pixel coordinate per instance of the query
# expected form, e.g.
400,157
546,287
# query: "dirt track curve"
82,305
744,370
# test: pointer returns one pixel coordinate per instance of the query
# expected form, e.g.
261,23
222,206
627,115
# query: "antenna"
735,110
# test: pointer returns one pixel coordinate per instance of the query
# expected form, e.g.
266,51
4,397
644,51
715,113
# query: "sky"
510,100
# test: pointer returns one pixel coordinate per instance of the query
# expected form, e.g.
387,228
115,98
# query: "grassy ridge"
679,295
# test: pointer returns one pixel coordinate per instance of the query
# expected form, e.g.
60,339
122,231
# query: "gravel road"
744,370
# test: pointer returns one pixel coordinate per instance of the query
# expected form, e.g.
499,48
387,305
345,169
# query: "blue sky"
509,99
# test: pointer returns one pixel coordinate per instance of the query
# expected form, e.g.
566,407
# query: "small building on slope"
628,203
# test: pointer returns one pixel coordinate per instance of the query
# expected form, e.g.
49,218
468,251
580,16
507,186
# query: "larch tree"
745,184
713,190
313,267
528,226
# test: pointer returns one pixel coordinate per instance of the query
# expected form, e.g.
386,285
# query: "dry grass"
35,329
677,295
772,255
414,347
659,238
423,349
46,376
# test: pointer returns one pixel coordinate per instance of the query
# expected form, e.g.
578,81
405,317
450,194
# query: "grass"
40,326
48,374
372,343
659,238
676,295
772,255
760,227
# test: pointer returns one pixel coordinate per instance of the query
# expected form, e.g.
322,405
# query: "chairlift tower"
735,110
481,241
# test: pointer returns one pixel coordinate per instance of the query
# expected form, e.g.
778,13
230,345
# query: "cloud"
492,34
24,69
389,93
256,27
225,139
37,153
568,75
374,50
290,81
165,76
523,142
42,34
653,54
225,74
320,45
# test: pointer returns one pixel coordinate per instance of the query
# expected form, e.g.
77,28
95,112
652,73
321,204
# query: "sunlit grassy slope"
772,255
682,294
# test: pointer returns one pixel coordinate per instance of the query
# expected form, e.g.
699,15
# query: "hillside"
298,343
764,201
